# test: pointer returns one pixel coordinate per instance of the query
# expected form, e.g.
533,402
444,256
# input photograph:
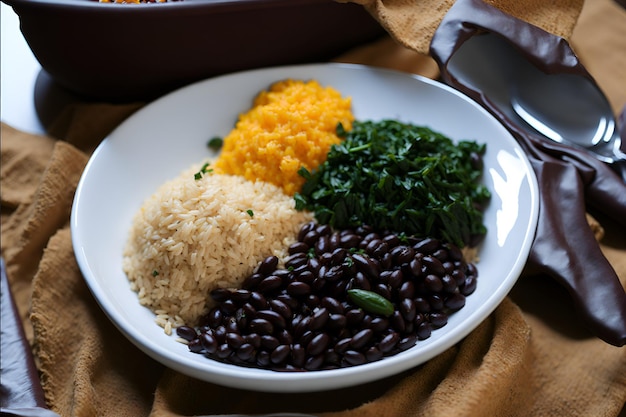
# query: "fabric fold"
570,180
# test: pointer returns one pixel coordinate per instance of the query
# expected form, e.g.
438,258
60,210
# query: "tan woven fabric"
413,22
529,358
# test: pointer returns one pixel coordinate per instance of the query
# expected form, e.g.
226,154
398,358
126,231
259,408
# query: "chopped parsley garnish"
204,170
155,273
250,213
215,143
400,177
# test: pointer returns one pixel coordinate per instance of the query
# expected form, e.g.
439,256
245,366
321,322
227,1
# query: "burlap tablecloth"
531,357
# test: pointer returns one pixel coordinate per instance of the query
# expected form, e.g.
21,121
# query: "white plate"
170,134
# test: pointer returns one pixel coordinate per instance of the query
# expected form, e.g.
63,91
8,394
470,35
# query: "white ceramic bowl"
171,133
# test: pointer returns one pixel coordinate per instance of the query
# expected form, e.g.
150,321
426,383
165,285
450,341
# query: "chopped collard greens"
399,177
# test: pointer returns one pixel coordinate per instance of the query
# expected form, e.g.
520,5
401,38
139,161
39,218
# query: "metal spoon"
565,108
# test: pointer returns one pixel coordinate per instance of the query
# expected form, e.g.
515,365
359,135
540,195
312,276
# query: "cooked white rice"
192,236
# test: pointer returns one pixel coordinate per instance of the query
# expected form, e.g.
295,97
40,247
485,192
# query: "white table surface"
18,72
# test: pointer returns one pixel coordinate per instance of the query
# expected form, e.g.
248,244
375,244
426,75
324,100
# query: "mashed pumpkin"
291,125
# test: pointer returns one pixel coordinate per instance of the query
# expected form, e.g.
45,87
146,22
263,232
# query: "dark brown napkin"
570,180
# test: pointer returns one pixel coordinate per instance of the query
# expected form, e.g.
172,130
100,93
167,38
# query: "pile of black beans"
299,317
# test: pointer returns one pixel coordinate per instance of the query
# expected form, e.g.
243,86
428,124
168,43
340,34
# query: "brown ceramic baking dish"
124,52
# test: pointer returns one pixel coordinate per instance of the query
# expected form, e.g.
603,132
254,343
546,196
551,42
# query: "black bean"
436,302
314,362
290,301
407,342
245,352
354,316
332,305
438,319
454,252
263,359
424,331
449,267
322,245
372,244
395,279
195,346
296,260
441,254
353,357
187,333
334,273
469,285
433,283
312,301
391,240
427,246
331,357
402,254
383,290
261,326
228,307
397,321
379,324
220,294
380,250
406,290
389,342
258,300
419,318
449,284
307,227
360,281
253,339
298,355
336,321
220,334
281,308
361,338
408,309
208,342
373,354
268,265
422,305
223,351
365,265
314,265
323,229
433,265
334,241
270,284
415,266
252,281
349,241
320,318
231,324
269,342
459,276
455,301
234,340
310,237
280,354
317,344
240,295
298,289
343,345
306,337
297,247
273,317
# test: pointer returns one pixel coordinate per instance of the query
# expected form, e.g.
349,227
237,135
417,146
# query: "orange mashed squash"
291,125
